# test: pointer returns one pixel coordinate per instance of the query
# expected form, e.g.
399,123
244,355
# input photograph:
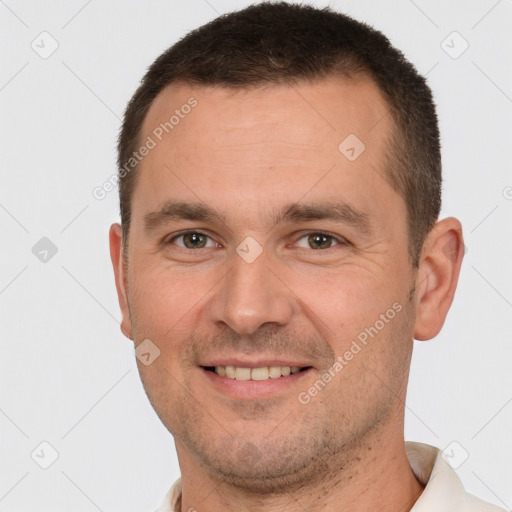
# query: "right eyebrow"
173,210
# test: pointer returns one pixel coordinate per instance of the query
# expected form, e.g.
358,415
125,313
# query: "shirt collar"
443,488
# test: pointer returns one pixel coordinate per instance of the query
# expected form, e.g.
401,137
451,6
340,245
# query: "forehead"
328,107
256,144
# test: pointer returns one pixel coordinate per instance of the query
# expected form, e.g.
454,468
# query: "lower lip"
253,388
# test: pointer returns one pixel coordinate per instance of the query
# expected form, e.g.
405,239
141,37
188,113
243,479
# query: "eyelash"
339,240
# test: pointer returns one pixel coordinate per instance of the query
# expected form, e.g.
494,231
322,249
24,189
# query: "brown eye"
192,240
320,241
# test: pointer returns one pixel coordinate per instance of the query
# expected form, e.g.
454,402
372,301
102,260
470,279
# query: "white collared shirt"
443,489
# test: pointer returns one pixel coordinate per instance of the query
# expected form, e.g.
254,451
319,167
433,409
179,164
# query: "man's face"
304,263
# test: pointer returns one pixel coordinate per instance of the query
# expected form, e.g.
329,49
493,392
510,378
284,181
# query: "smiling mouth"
261,373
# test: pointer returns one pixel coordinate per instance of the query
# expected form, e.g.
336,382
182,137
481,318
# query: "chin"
263,468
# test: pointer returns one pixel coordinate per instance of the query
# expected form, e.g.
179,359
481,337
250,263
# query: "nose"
250,296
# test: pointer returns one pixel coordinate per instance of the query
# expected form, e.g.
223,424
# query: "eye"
318,241
192,240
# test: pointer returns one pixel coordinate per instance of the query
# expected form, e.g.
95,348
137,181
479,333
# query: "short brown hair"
285,43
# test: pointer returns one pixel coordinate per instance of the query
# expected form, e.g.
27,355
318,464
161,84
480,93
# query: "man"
279,249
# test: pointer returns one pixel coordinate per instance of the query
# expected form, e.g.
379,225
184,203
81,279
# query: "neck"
375,474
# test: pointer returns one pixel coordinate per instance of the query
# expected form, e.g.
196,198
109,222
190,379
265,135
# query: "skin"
248,154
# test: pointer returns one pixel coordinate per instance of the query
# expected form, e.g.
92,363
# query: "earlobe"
116,255
438,276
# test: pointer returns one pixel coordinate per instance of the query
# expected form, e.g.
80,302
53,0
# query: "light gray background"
68,375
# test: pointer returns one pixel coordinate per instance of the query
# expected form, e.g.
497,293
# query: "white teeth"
262,373
274,372
243,373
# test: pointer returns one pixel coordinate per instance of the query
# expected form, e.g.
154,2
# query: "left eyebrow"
335,211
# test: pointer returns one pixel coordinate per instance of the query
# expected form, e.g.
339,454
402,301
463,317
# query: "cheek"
165,302
346,300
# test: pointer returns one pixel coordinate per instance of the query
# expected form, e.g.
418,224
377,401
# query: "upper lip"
253,363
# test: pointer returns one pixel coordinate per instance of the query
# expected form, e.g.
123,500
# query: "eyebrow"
333,211
293,212
173,210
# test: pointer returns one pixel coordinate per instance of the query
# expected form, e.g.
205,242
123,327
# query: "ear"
117,257
438,275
